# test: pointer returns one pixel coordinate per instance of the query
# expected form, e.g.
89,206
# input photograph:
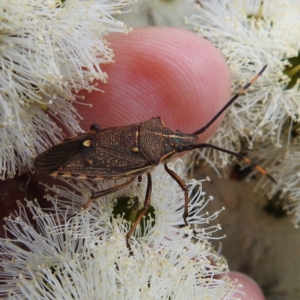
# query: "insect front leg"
106,192
185,190
142,213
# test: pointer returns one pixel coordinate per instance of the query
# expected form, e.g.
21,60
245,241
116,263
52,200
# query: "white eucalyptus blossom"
286,193
84,255
157,13
250,34
49,50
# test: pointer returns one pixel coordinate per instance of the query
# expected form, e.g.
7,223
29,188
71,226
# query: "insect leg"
184,188
144,210
106,192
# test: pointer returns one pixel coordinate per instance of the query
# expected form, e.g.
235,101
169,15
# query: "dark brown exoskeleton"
128,151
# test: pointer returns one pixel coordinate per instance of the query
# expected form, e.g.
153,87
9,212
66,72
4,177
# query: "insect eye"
95,127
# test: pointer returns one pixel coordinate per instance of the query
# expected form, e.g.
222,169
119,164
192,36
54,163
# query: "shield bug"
127,152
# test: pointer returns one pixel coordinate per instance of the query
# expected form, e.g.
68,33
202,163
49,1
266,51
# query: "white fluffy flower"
286,193
251,33
158,13
248,43
49,49
85,256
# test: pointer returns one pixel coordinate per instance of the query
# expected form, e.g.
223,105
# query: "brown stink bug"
127,152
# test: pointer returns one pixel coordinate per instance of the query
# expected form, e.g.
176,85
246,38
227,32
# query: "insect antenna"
205,145
230,101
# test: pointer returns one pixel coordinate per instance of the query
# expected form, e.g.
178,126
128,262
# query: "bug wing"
105,153
53,158
105,163
109,154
